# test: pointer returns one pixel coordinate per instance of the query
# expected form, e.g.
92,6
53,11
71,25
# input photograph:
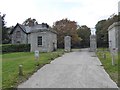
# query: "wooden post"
113,56
20,70
113,59
104,55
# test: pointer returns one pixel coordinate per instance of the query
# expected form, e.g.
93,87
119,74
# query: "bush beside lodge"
7,48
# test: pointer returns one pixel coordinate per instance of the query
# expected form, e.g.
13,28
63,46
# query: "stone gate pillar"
93,44
67,43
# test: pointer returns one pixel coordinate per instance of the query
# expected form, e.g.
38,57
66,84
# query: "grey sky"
85,12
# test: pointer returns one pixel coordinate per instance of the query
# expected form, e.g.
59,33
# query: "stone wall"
48,38
52,41
23,37
29,39
113,36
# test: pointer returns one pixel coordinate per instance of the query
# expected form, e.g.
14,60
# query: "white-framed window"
39,40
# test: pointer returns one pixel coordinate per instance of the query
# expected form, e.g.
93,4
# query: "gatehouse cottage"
40,36
113,36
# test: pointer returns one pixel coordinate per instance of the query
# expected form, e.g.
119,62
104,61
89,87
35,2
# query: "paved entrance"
79,69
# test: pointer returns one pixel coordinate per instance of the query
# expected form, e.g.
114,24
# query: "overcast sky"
84,12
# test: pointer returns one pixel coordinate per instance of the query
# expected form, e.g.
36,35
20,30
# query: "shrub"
6,48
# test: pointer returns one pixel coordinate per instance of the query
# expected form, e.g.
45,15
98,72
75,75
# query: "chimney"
31,24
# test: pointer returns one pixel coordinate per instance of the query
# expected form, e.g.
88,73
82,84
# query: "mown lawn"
119,69
11,61
0,71
107,64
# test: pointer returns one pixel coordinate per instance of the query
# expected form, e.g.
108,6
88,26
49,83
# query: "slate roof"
36,28
19,25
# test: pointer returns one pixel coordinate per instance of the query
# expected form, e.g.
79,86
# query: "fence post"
20,70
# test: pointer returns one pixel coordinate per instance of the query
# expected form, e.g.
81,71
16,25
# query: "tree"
84,32
102,30
101,33
66,27
5,32
0,29
30,22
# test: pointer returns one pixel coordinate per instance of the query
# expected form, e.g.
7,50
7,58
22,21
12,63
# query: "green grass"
107,64
118,69
0,71
11,61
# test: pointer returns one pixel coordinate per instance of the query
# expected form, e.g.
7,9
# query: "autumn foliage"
66,27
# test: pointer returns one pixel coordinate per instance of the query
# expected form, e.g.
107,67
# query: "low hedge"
6,48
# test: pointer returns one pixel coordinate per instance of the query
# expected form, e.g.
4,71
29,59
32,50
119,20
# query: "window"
18,42
18,34
39,40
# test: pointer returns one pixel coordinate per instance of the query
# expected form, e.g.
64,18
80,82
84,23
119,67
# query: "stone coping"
43,30
113,25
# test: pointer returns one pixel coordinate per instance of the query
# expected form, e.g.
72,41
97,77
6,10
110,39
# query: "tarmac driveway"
78,69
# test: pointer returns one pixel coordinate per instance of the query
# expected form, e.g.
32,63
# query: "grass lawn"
119,69
0,71
107,64
11,61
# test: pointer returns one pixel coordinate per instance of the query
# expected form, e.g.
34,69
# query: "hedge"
6,48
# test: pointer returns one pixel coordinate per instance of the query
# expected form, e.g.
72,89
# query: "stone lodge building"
40,36
113,36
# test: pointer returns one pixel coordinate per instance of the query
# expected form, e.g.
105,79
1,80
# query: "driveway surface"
78,69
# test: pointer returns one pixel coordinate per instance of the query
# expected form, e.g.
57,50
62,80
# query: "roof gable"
21,27
36,28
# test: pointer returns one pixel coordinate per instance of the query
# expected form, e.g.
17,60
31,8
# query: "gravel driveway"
78,69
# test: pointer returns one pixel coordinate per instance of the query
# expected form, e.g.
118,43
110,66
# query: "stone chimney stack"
31,23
